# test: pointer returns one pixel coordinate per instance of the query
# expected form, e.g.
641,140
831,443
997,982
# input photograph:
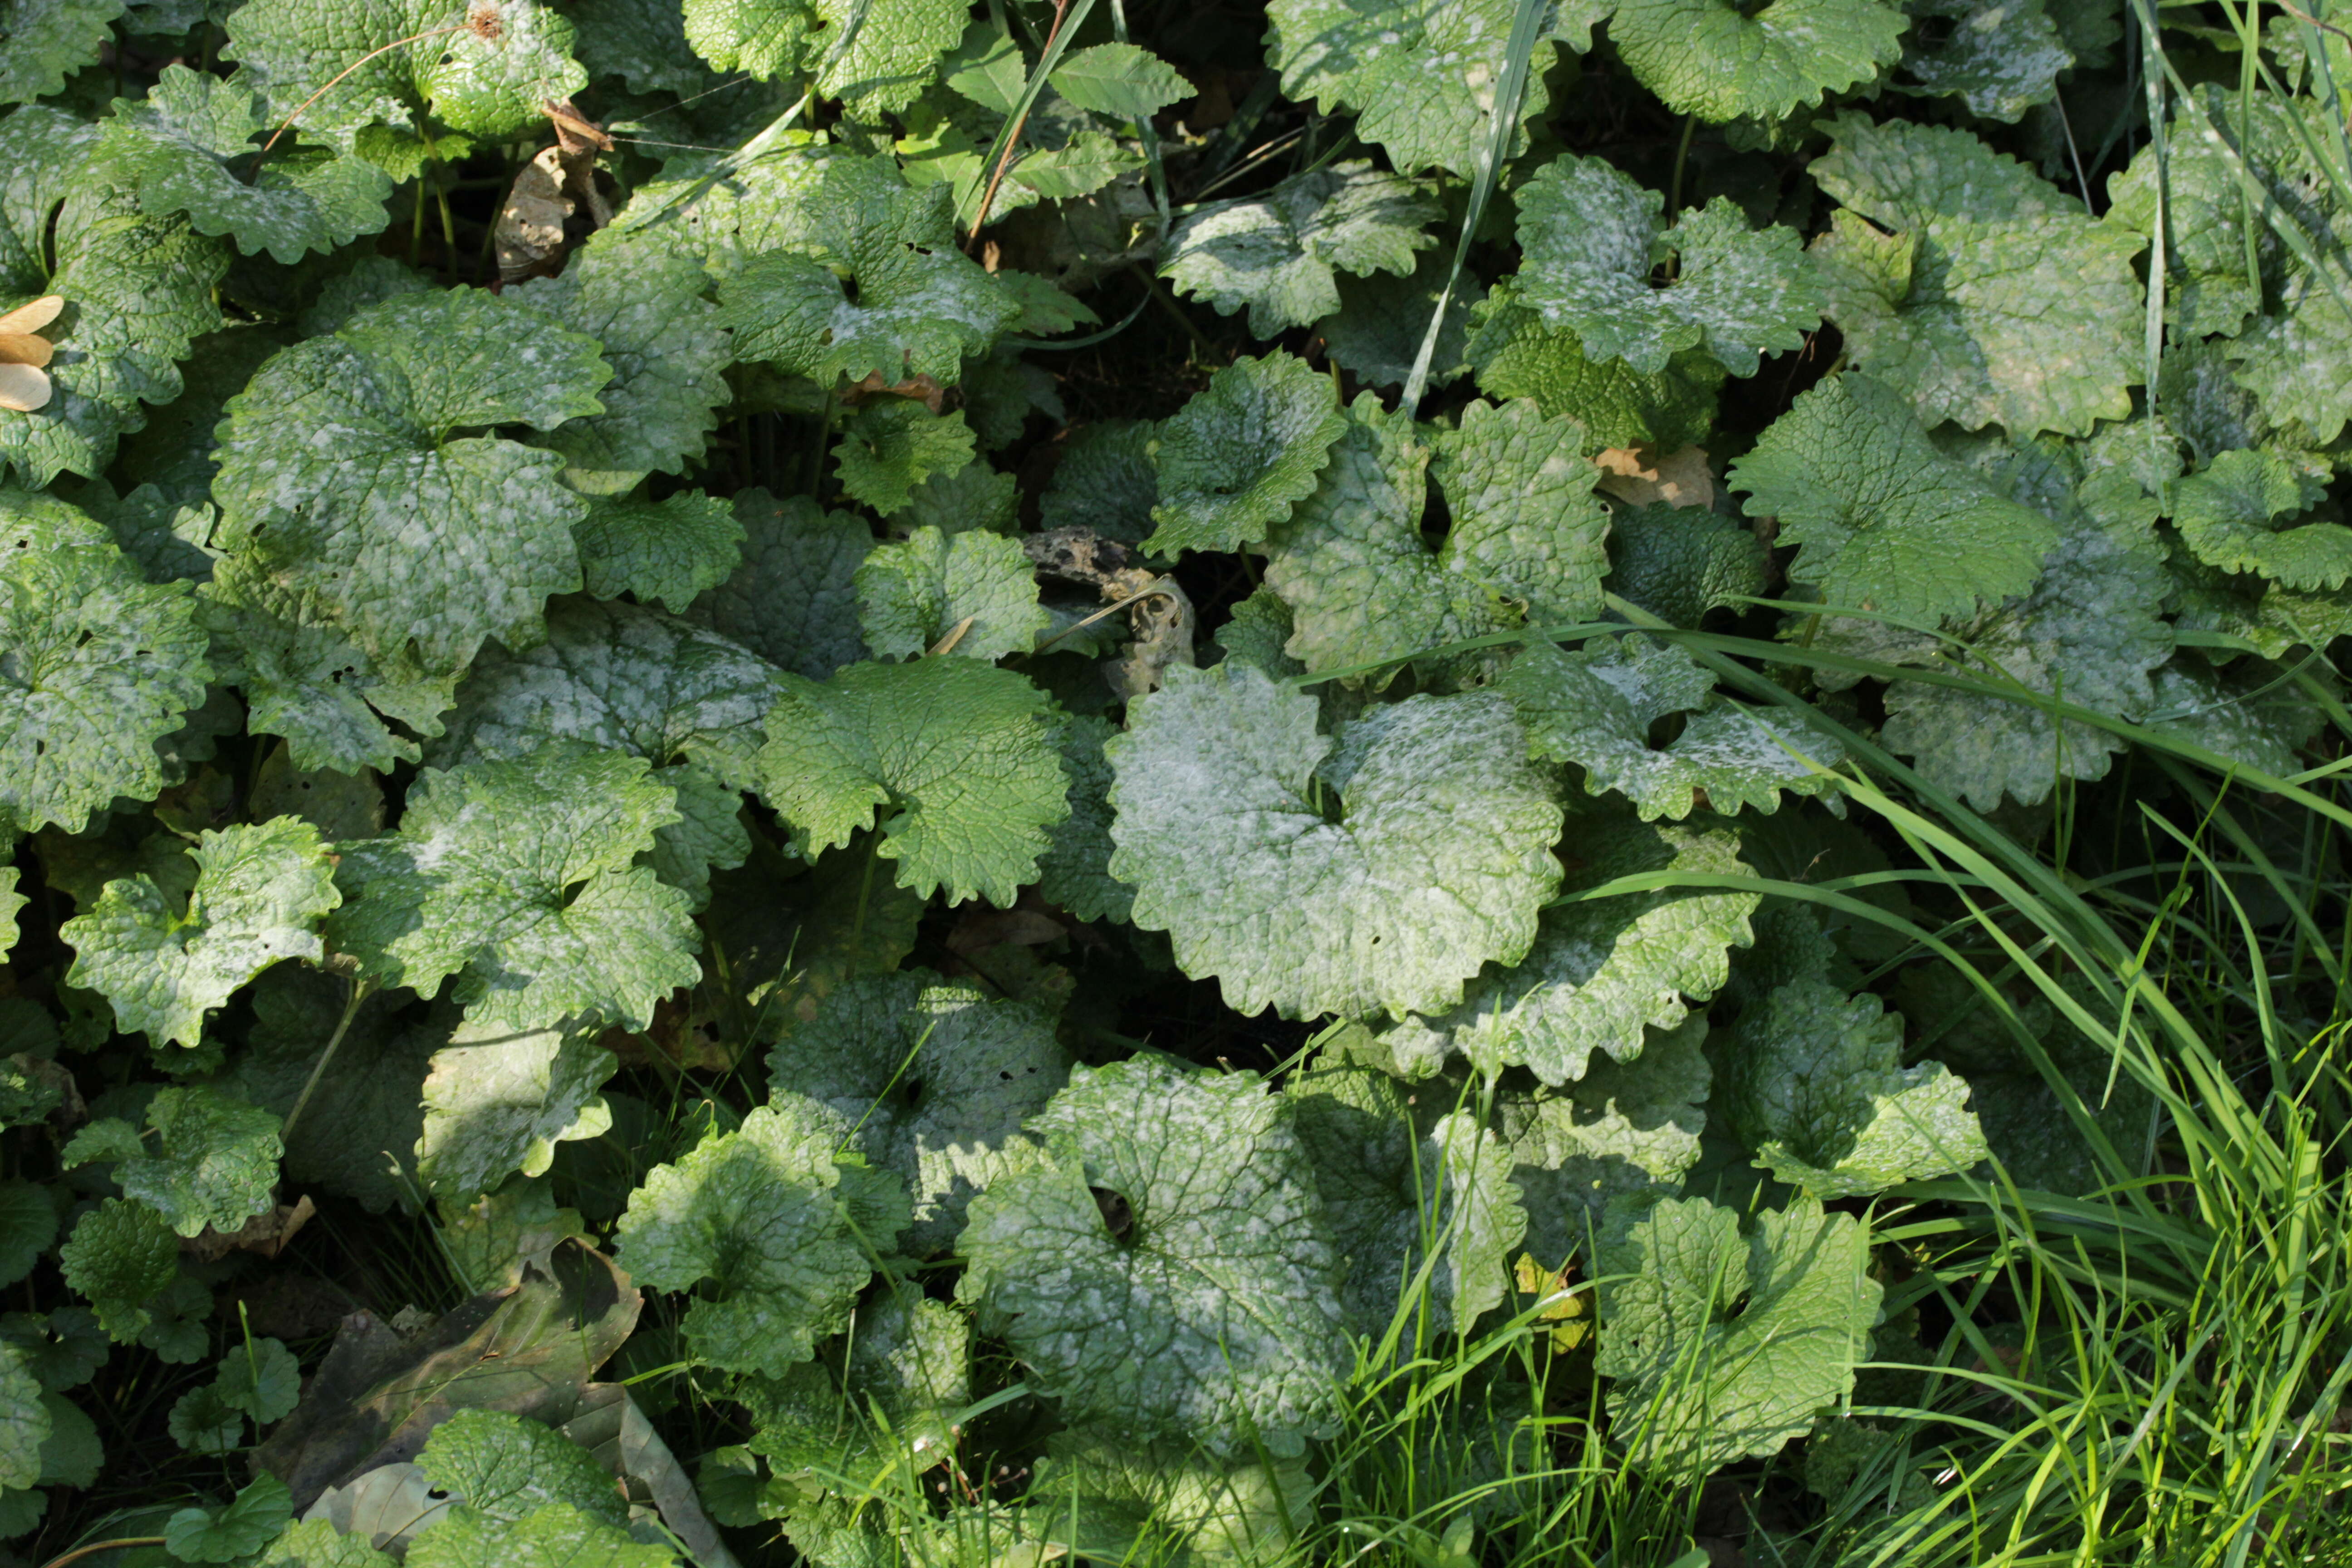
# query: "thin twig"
123,1543
287,123
361,990
1013,138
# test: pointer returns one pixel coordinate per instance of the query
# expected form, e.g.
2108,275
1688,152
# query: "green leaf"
260,893
666,349
1590,239
1280,253
73,1456
1119,80
503,1467
1391,1180
1105,481
1812,1080
1885,521
665,552
974,496
1233,462
102,665
1722,1347
912,593
1601,970
28,1225
1624,1132
333,535
1526,545
214,1159
138,289
520,875
641,41
1074,874
899,1390
1376,332
314,1543
120,1255
1983,294
202,1422
793,599
335,705
1436,858
2087,632
2231,513
24,1420
261,1379
1679,563
1196,1299
11,901
934,1076
1595,708
176,148
486,78
1999,57
720,209
874,58
257,1512
892,445
1419,74
1720,61
1109,1499
956,757
1517,353
557,1536
64,1349
785,1231
48,40
2252,713
917,305
497,1099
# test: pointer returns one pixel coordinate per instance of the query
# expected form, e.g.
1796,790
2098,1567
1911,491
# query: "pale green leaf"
212,1161
956,756
261,892
557,1536
337,707
875,58
897,1391
1074,874
24,1420
1720,60
1434,857
497,1099
48,41
1280,253
892,445
1998,57
2238,515
1113,1500
665,551
1517,353
1235,460
793,599
505,1467
1119,79
912,593
1197,1299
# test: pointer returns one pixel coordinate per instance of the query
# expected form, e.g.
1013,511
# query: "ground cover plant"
1468,782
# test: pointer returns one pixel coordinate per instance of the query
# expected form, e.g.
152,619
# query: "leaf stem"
121,1543
1682,156
1012,137
360,991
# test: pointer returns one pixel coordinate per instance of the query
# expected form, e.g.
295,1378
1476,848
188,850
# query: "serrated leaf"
261,892
2238,515
1109,1499
1213,1318
891,445
958,754
793,599
1885,521
1721,61
1281,253
24,1421
504,1467
1104,481
314,1543
1119,79
1812,1080
913,594
1591,238
1600,970
1516,353
1720,1346
666,349
2087,632
518,877
395,532
1999,57
1233,461
202,1422
1594,708
1679,563
2250,713
260,1379
1421,74
497,1100
872,59
214,1160
48,41
486,78
665,551
934,1076
899,1390
337,707
1397,1186
102,665
1435,859
1375,335
120,1255
916,307
1074,874
1994,298
720,209
28,1225
785,1232
556,1536
258,1511
641,41
176,147
1525,548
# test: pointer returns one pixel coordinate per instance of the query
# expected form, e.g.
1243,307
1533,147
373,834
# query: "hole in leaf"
1119,1218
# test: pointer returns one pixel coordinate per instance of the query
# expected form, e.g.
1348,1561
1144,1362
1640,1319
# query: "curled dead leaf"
554,203
931,395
